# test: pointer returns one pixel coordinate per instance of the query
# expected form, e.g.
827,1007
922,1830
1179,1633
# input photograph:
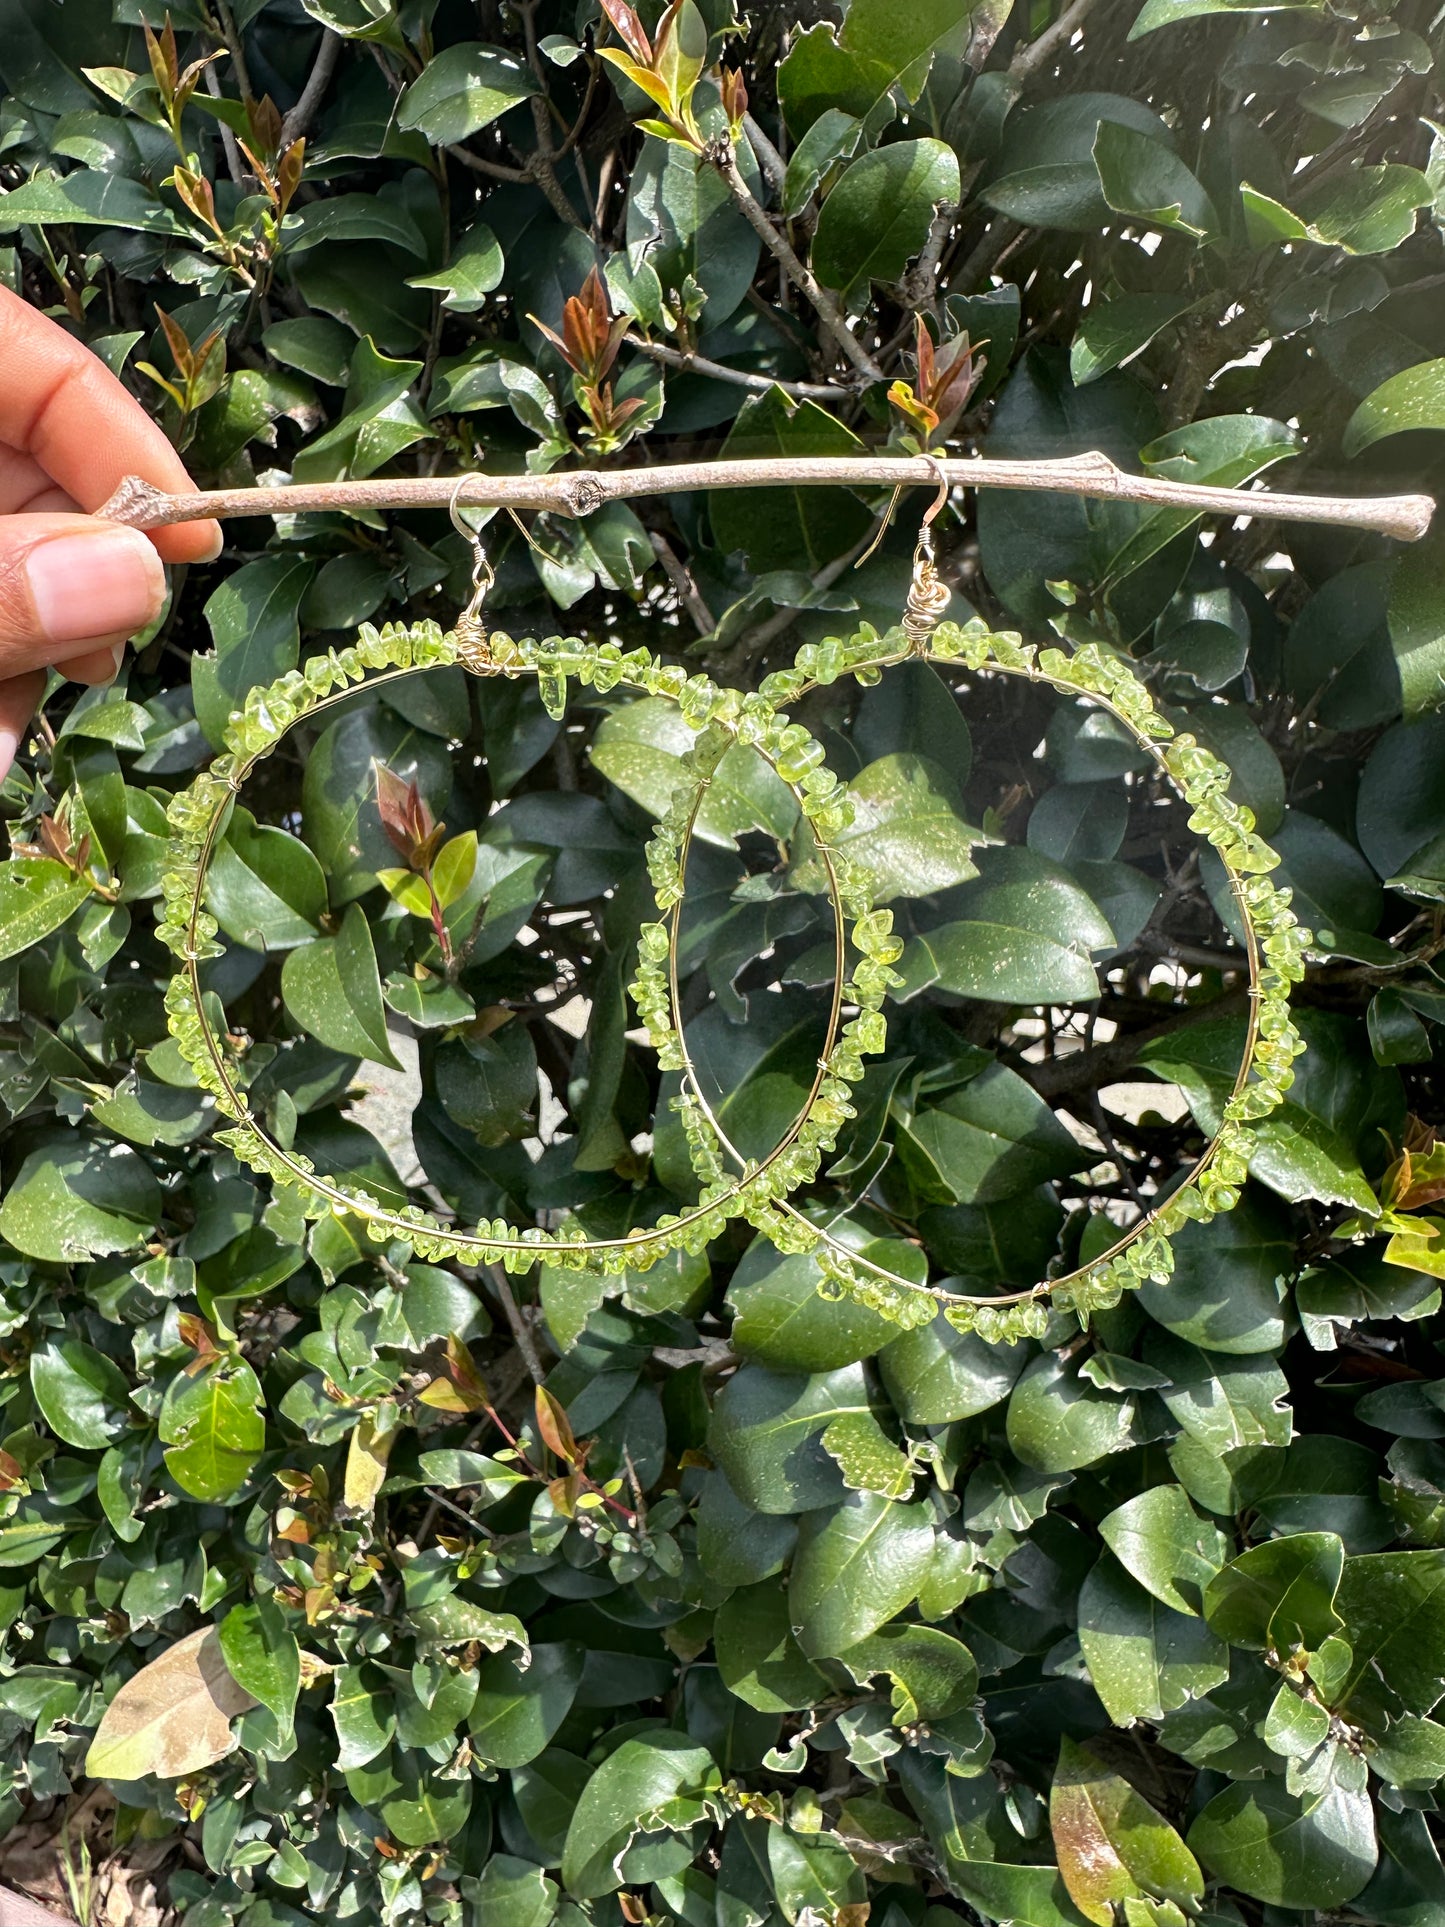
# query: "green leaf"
783,1320
255,631
1146,179
519,1708
1417,620
474,270
78,1197
1113,332
1112,1846
1390,1603
1368,210
262,1656
878,216
1144,1659
1045,174
1312,1850
792,527
37,896
264,887
1058,1422
1011,947
1279,1594
639,747
856,1567
464,87
908,831
351,217
759,1659
513,1893
1227,1293
992,1138
648,1784
1162,1542
936,1374
766,1434
88,197
932,1674
83,1396
213,1427
1167,13
1415,398
877,49
333,990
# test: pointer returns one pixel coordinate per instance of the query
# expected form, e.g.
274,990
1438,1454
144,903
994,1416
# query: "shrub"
702,1593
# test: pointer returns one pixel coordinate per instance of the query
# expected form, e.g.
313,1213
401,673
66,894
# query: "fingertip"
189,542
18,697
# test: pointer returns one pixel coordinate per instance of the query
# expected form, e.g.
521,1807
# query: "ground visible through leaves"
63,1857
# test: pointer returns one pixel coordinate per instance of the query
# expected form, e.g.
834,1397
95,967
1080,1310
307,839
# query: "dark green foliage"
755,1609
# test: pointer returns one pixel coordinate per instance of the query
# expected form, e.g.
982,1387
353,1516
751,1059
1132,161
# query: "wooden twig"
141,506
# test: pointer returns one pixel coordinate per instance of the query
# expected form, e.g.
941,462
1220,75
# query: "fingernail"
218,542
9,743
117,656
84,585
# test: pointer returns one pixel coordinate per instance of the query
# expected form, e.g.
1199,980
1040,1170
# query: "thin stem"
1030,59
318,80
521,1330
687,362
688,594
769,159
138,504
725,161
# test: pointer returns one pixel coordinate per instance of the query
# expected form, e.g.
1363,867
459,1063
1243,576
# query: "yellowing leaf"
173,1718
366,1457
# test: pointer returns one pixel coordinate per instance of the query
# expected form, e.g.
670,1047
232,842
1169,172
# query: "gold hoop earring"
473,650
928,597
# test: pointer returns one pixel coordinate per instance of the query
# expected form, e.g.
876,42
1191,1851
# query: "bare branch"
313,93
139,505
688,593
769,159
1031,59
689,363
725,161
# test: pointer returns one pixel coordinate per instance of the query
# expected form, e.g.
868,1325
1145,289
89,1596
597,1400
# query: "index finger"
63,407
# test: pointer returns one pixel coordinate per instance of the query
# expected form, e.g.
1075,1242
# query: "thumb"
71,585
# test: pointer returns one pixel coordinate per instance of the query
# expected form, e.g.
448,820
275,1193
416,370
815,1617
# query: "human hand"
73,588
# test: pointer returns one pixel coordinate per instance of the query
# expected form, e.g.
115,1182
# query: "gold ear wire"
928,597
470,627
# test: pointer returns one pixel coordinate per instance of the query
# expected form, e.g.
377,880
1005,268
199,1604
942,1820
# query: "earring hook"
928,597
471,628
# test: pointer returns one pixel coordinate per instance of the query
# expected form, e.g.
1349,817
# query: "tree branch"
318,80
138,504
687,362
725,161
1038,53
687,590
774,167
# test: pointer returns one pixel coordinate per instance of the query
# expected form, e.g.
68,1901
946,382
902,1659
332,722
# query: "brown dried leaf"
173,1718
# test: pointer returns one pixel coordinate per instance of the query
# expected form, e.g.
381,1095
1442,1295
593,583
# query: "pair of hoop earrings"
865,947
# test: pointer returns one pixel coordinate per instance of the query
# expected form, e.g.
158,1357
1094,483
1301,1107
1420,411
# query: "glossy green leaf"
650,1783
856,1567
1317,1850
213,1427
333,990
878,216
83,1396
465,87
37,896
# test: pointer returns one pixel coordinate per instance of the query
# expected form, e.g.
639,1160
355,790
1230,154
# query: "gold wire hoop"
1273,945
720,719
